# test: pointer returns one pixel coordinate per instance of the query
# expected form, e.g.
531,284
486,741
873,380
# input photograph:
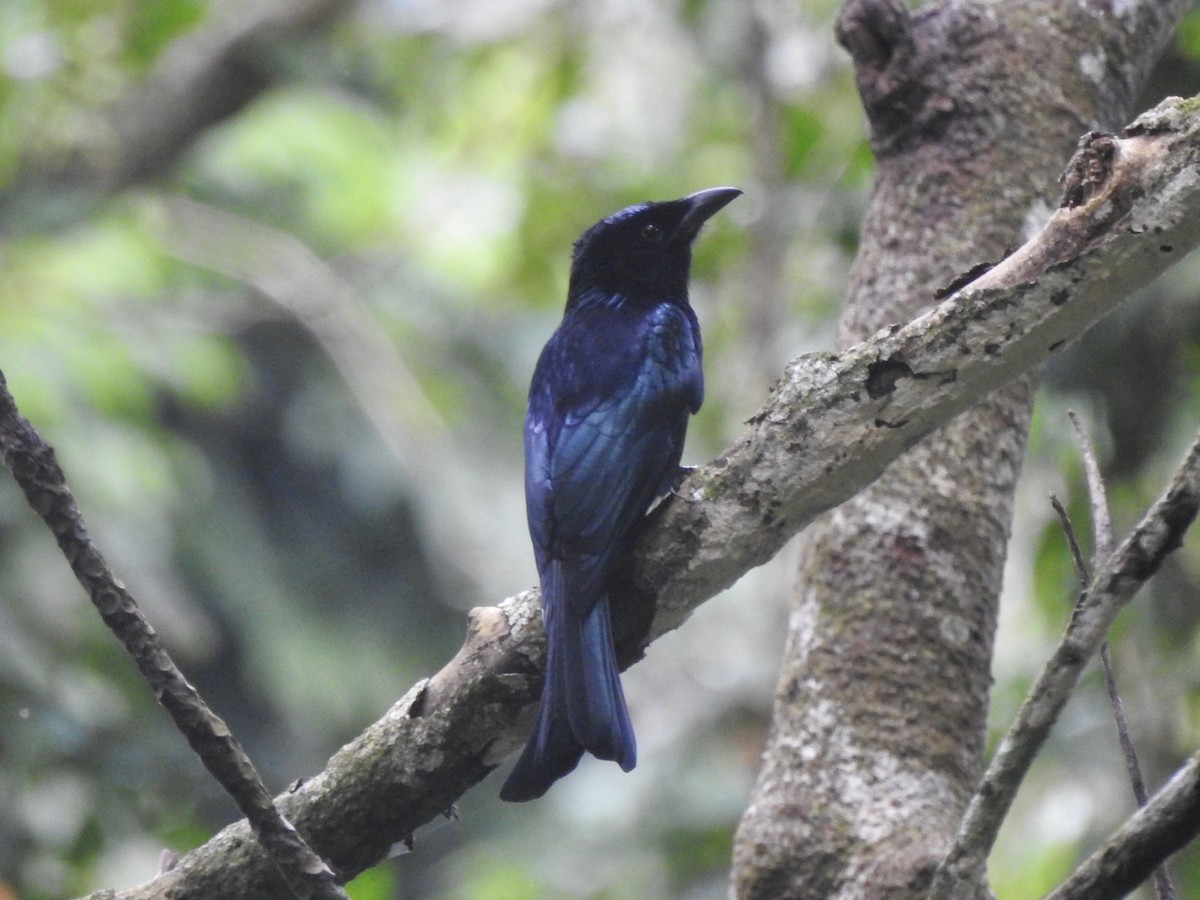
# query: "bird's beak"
702,205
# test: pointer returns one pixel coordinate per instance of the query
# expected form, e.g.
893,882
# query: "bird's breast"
672,338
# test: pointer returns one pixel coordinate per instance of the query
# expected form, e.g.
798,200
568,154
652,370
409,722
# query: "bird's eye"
652,232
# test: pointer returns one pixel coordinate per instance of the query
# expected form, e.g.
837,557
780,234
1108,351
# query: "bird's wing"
605,427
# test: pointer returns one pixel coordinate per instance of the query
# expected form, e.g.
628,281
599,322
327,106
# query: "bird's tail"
582,706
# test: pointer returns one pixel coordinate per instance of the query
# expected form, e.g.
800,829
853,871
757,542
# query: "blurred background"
273,278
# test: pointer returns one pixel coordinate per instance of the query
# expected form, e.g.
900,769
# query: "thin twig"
1064,522
1115,582
1131,760
1110,681
1102,531
34,467
1103,536
1132,766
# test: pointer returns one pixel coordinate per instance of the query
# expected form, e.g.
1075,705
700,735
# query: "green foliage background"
284,365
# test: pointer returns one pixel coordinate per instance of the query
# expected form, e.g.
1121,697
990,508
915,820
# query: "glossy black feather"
608,410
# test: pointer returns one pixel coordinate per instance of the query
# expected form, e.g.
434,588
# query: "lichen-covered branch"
832,424
853,413
1113,585
35,469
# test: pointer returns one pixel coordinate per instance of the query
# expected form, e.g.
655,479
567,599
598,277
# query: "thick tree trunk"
879,722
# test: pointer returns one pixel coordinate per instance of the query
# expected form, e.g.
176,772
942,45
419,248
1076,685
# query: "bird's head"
643,251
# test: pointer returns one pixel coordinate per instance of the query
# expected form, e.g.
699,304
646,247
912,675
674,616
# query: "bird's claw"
681,474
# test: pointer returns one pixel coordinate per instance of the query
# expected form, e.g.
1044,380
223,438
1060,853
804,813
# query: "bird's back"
604,430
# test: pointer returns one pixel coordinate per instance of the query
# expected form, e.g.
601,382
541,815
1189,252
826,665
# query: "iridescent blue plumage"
604,429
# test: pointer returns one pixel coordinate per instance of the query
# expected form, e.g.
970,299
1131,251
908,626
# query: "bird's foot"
681,474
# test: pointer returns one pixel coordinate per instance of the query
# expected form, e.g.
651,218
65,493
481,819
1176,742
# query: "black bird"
608,410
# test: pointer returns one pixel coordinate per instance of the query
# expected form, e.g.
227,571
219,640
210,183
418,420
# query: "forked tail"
582,706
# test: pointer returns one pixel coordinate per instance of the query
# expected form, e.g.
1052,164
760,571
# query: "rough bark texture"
878,728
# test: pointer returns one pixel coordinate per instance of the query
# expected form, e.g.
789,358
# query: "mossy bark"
878,731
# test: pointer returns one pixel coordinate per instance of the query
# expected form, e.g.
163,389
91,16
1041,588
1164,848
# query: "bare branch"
1164,825
34,467
1116,580
1064,522
1102,532
1102,529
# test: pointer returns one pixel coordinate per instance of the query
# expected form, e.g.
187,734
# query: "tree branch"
1103,537
1115,582
833,423
1164,825
1102,531
1162,881
854,412
34,467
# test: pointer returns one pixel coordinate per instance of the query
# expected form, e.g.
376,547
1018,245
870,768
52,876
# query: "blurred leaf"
694,851
308,160
1036,868
151,26
1188,36
502,881
802,131
373,884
